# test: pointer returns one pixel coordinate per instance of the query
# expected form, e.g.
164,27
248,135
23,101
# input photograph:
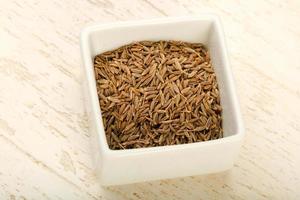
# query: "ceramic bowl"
117,167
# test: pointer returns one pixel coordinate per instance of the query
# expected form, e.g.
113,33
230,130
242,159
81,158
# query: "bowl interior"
206,31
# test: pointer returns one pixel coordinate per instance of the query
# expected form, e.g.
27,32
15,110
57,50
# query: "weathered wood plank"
43,131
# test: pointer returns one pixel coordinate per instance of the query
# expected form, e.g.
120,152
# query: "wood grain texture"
44,142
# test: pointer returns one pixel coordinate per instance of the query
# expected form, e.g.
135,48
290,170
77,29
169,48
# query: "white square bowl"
117,167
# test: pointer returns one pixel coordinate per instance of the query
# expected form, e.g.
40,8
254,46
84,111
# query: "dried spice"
158,93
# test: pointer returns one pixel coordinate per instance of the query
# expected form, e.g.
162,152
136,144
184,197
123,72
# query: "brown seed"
130,126
115,137
158,93
160,78
178,66
185,90
115,100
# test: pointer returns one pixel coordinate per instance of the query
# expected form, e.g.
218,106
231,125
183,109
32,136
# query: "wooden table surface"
44,142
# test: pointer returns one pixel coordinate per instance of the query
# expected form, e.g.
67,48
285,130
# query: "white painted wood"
44,143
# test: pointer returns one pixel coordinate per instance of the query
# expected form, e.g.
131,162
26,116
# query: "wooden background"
44,142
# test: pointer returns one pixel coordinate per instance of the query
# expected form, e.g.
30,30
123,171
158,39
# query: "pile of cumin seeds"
158,93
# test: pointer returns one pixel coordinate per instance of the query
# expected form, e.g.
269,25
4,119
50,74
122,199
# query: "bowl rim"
88,65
